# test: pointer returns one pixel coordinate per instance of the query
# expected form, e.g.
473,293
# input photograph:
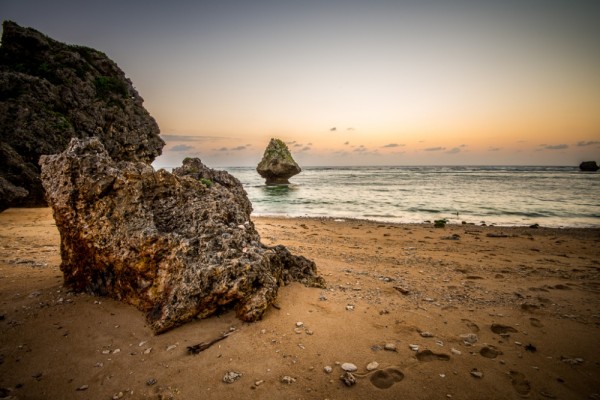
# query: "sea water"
548,196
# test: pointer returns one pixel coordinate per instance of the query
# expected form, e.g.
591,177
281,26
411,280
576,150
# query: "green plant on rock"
206,182
107,86
440,223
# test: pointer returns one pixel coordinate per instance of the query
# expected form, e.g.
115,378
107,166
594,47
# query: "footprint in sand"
385,378
471,325
499,329
490,352
428,355
536,322
521,385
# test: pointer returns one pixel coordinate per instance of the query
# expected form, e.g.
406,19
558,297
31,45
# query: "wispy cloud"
349,129
438,148
346,143
392,145
182,147
494,149
454,150
588,143
188,138
333,129
556,147
238,148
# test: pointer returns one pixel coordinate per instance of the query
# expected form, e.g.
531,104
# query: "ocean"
503,196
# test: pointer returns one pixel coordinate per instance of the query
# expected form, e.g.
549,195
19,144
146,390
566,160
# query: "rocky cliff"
177,246
51,92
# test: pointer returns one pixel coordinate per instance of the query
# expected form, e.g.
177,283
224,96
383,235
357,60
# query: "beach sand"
496,312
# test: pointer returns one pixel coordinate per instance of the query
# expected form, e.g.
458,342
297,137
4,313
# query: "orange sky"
402,82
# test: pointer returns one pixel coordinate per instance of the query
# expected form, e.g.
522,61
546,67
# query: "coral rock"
277,164
51,92
176,245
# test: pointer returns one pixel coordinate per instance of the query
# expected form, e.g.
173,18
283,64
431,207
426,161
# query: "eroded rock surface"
277,164
176,245
51,92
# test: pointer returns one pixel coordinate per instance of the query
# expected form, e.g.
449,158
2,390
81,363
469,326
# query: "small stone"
118,396
414,347
258,383
372,366
105,351
299,324
231,376
328,369
171,347
142,343
309,332
350,307
390,347
455,351
148,350
348,379
83,387
263,331
99,365
151,382
349,367
426,334
288,380
469,338
115,351
476,373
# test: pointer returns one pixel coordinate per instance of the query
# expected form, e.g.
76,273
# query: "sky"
343,82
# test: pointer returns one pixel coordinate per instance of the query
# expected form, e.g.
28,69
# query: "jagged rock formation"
277,164
177,246
589,166
51,92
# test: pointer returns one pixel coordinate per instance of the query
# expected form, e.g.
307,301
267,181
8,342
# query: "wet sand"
494,312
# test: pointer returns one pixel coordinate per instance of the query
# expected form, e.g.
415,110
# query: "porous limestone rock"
277,164
176,245
51,92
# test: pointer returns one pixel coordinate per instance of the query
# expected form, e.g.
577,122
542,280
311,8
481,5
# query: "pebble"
171,347
288,380
231,376
328,369
299,324
118,396
105,351
349,367
83,387
414,347
115,351
372,366
426,334
469,338
258,383
151,382
454,351
348,379
148,350
476,373
349,307
142,343
99,365
390,347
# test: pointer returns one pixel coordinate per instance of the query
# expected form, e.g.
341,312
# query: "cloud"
349,129
187,138
463,145
292,142
346,143
360,149
297,145
453,150
495,149
306,148
588,143
435,148
222,149
182,147
239,148
556,147
392,145
333,129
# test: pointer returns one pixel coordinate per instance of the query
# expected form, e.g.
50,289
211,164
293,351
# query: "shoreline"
495,311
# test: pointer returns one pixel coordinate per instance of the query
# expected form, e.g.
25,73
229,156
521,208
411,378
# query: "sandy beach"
463,312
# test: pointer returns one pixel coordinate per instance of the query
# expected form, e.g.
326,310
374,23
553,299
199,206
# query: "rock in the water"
589,166
176,245
277,164
51,92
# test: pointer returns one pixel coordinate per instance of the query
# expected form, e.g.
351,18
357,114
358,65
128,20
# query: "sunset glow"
350,82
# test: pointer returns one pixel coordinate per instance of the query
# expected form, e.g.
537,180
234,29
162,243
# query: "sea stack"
51,92
589,166
277,164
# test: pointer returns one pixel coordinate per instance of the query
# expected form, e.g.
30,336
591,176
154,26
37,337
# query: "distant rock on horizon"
51,92
589,166
277,164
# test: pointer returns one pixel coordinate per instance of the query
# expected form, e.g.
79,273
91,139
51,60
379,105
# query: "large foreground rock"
277,164
51,92
177,246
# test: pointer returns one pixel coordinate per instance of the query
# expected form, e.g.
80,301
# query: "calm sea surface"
549,196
